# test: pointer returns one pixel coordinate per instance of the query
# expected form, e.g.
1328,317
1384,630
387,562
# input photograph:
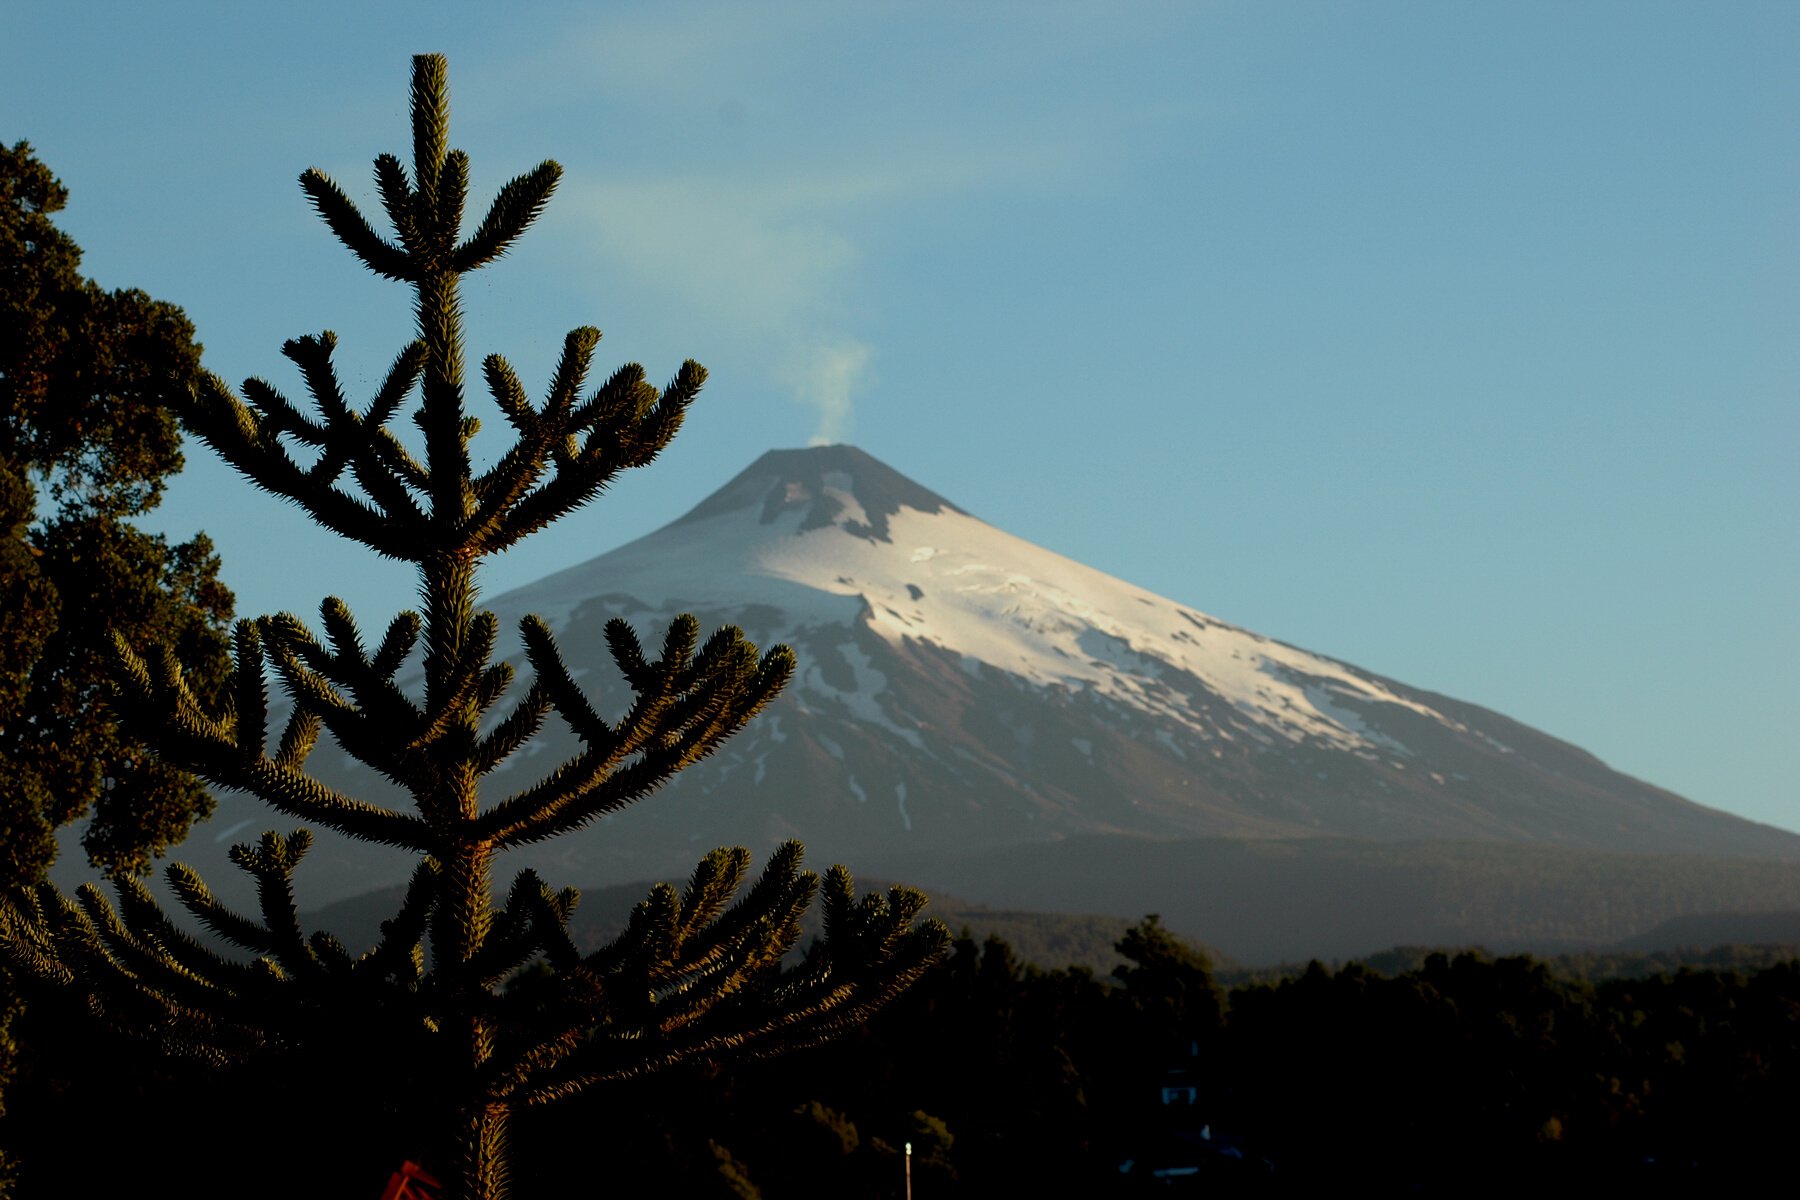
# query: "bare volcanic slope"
961,690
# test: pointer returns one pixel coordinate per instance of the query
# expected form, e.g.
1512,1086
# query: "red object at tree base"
411,1182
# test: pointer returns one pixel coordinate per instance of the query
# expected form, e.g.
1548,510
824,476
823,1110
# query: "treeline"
1592,965
1448,1072
1463,1071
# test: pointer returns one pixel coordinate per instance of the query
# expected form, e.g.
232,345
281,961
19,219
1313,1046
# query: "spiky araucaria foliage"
701,973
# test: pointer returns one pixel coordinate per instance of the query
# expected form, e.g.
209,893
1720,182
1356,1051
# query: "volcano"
960,687
963,694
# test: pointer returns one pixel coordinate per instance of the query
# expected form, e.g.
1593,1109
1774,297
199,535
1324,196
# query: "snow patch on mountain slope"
862,698
951,580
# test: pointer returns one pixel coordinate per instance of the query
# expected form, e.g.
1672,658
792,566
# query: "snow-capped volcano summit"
961,687
829,539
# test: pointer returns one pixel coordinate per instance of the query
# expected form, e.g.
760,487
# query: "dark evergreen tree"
86,440
87,436
693,975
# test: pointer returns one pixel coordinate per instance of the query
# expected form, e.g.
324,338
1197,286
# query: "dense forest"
1444,1069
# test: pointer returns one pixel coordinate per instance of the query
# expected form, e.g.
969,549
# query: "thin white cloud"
770,278
722,250
772,263
760,236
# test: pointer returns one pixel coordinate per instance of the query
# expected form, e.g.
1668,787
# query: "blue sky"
1456,341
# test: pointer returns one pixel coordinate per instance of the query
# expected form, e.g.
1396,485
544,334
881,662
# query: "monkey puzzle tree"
694,974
